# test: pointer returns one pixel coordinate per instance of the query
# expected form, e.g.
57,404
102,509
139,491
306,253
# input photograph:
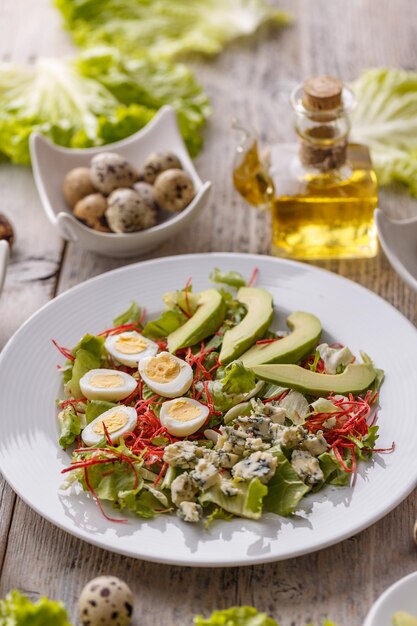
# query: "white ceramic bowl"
51,163
4,257
401,596
399,241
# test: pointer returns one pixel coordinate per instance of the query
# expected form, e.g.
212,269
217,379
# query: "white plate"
31,459
401,596
4,258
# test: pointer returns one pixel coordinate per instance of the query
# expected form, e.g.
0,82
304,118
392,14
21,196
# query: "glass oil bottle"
323,192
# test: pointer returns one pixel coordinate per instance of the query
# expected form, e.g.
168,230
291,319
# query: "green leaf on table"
201,26
17,610
236,616
385,119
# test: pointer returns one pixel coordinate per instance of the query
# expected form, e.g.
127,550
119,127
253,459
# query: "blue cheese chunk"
190,512
334,358
232,440
260,465
229,488
205,475
253,444
225,459
307,467
315,444
183,454
255,425
183,487
288,436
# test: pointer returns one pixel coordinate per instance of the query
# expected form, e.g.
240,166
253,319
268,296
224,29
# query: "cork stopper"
322,93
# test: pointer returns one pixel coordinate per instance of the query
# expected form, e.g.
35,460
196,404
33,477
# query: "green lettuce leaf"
247,503
285,489
88,354
232,278
95,408
130,316
97,98
164,325
17,610
237,379
70,427
385,119
203,26
236,616
333,472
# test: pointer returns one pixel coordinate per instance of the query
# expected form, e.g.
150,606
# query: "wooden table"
250,81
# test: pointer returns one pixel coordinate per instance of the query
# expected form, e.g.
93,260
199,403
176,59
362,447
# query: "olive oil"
324,215
322,193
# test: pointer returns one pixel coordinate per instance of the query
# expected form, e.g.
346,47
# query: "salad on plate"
210,412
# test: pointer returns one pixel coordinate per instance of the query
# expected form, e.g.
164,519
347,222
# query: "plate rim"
228,561
369,619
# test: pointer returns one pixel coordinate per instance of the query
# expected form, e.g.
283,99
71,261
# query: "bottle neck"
323,147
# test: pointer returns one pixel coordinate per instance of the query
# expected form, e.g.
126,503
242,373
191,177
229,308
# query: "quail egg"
109,171
118,421
106,601
91,209
106,384
174,190
128,212
166,374
130,347
147,193
77,185
158,162
183,416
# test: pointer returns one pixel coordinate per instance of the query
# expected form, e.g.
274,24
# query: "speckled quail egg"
130,347
118,421
146,193
174,190
91,210
166,374
183,416
106,601
77,185
158,162
128,212
110,171
106,384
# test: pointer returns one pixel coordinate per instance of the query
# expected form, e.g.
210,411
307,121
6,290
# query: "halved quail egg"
183,416
118,421
166,374
130,347
106,384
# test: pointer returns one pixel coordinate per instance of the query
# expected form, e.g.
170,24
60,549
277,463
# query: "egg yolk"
113,422
182,411
106,381
131,344
162,368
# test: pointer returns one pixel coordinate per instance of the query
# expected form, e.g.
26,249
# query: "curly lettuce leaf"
97,98
70,427
232,278
235,385
88,354
285,489
17,610
130,316
247,503
183,27
236,616
164,325
237,379
385,119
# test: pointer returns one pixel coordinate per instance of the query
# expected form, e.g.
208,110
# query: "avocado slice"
260,312
356,378
306,331
403,619
205,321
